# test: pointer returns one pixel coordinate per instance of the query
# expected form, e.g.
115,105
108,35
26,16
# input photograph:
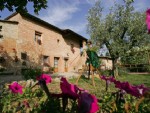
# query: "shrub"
31,73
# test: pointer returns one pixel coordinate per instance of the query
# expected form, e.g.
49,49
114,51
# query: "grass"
100,84
136,79
99,90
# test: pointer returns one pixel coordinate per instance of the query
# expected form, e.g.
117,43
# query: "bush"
31,73
2,69
106,72
122,71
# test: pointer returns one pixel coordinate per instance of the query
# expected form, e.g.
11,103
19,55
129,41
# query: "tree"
120,30
21,5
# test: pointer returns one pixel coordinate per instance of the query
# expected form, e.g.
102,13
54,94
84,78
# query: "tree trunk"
114,68
89,71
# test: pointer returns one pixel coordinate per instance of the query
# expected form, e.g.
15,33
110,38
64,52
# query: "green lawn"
100,84
98,91
137,79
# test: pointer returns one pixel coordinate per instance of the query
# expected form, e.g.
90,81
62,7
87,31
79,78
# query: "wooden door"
66,65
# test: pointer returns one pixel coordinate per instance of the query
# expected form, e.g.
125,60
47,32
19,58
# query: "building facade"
30,42
106,63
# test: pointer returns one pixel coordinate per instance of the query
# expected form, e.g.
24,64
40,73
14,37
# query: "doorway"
66,65
56,59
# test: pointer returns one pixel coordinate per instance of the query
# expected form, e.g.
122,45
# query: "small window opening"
58,40
2,59
0,28
1,36
23,56
81,48
46,60
38,37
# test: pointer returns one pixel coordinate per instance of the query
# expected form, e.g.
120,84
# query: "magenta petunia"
136,91
69,89
148,20
87,103
110,79
45,77
142,89
16,88
103,77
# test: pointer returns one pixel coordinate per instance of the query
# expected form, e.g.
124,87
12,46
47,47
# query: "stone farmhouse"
106,63
27,41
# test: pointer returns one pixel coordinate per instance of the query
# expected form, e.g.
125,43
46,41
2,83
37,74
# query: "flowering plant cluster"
136,91
71,99
84,102
129,98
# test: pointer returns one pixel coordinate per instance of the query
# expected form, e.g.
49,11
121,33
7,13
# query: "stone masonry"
29,41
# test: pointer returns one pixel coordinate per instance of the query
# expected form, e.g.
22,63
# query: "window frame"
38,37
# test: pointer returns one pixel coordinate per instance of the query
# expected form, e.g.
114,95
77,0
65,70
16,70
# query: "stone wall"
53,44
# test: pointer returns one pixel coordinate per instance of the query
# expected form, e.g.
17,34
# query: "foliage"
128,104
31,73
34,100
106,72
122,71
21,5
15,103
135,56
120,30
2,69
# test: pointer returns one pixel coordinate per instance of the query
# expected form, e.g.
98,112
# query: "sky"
72,14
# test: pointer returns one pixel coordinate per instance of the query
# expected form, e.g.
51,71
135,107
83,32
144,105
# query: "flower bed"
44,95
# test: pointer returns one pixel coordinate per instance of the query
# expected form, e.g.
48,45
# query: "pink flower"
103,77
87,103
16,88
142,89
45,77
148,20
69,89
136,91
110,79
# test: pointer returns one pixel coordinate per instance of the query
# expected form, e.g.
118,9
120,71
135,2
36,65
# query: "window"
81,48
38,37
66,62
1,36
2,59
23,56
46,60
58,41
0,28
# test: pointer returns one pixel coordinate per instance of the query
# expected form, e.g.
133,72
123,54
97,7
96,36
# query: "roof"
7,21
105,57
38,20
68,31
